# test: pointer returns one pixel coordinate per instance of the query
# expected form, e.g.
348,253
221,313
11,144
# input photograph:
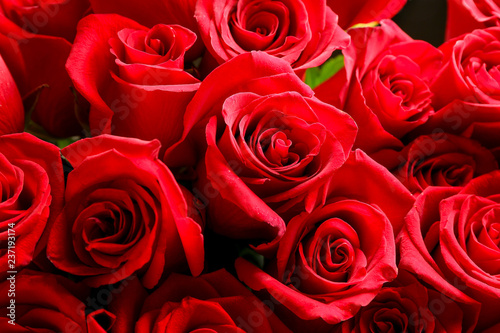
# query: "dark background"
424,19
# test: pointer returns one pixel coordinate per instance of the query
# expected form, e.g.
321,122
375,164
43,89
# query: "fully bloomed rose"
364,11
11,105
214,302
133,76
451,241
334,260
124,214
35,40
272,146
303,33
438,160
31,187
385,84
465,16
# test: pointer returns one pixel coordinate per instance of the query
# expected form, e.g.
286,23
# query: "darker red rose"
41,302
364,11
32,186
35,41
406,305
133,77
124,214
464,16
438,160
303,33
56,18
385,84
211,302
450,240
11,105
334,260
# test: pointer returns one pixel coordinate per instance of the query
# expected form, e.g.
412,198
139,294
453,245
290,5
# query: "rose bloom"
334,260
156,12
11,105
124,214
365,11
406,305
214,302
465,16
467,89
384,85
35,40
133,77
450,240
301,33
46,303
270,146
438,160
31,195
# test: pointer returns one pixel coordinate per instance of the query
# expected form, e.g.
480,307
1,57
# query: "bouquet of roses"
248,166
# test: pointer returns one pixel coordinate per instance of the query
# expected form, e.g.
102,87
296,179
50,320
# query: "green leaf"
317,75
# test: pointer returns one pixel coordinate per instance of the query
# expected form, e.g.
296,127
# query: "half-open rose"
385,84
302,33
124,214
133,76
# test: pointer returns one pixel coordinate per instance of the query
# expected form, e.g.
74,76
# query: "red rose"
406,305
334,260
32,186
467,90
41,302
133,76
450,240
11,105
156,12
124,214
302,33
272,147
464,16
213,302
35,40
385,84
438,160
358,12
56,18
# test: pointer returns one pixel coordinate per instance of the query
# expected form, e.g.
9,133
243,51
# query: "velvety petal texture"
271,147
304,33
37,41
450,240
133,76
465,16
125,214
31,196
43,303
441,159
385,84
11,105
214,302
